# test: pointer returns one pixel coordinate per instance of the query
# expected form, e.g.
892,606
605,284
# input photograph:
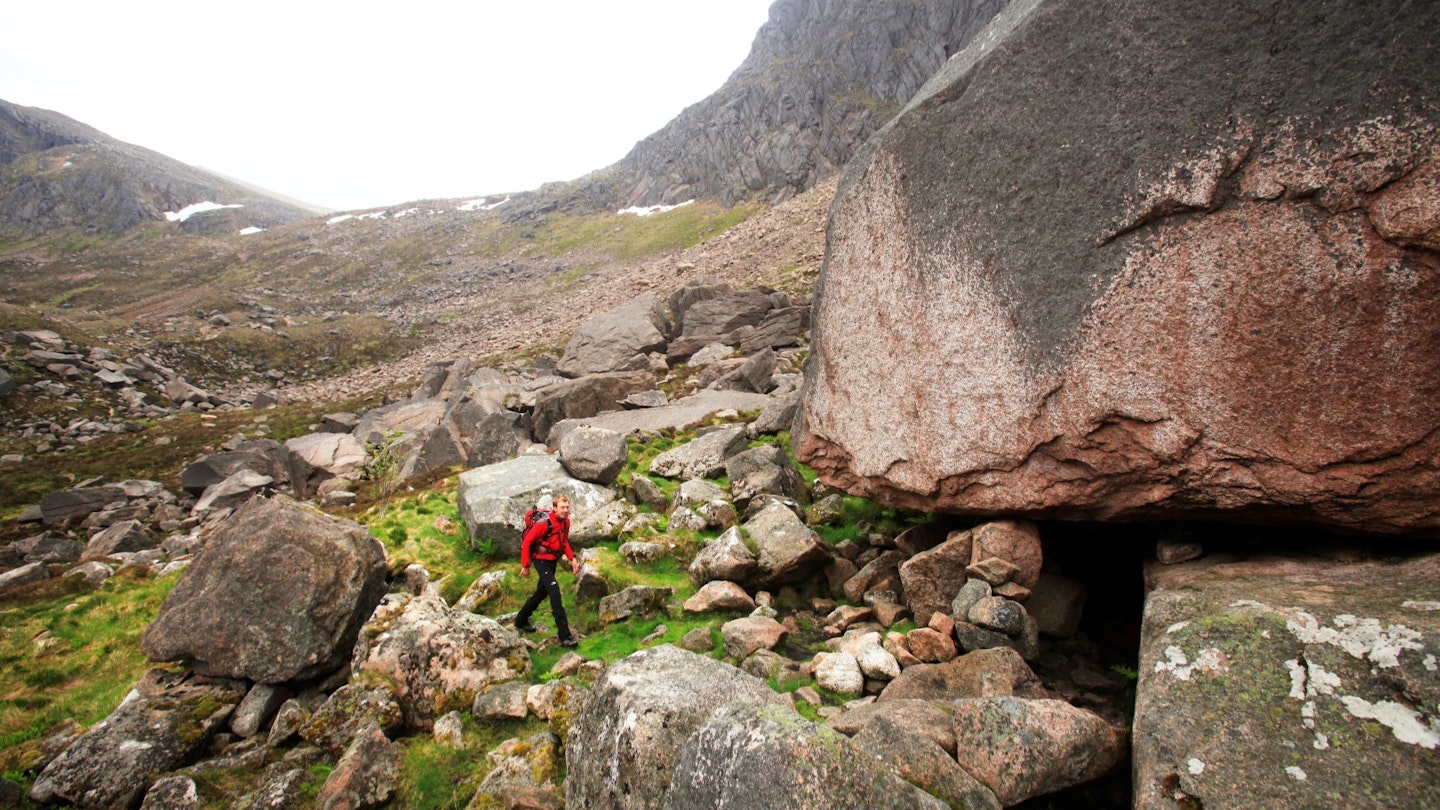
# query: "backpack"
538,515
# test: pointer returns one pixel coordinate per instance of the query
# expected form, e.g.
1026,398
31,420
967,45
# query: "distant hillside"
821,78
57,173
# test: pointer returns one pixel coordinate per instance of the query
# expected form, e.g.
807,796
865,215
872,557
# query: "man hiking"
547,536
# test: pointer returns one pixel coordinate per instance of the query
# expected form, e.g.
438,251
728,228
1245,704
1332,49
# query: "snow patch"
481,205
647,210
196,208
340,218
250,230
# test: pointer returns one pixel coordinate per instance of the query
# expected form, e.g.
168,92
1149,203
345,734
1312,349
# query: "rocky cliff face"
58,173
1120,260
821,78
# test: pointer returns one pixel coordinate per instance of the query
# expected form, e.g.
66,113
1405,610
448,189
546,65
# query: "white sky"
360,104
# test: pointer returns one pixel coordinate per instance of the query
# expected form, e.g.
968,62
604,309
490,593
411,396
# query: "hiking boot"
524,627
569,641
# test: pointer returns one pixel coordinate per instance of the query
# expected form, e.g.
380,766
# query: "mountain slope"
57,173
822,76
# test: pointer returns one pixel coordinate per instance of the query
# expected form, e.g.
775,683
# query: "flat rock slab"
493,499
1289,684
679,414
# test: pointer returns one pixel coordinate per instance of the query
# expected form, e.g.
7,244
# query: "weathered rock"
498,437
882,569
1021,748
923,763
596,455
277,789
347,713
315,458
482,590
611,340
680,414
585,397
727,557
932,578
927,718
930,646
998,614
627,739
434,658
172,793
744,636
840,673
27,574
606,523
49,547
983,673
1142,323
163,724
1017,542
129,535
502,701
239,487
365,775
409,417
636,600
256,709
768,756
777,415
1284,683
493,499
703,457
786,550
57,507
302,581
764,470
264,456
719,595
524,774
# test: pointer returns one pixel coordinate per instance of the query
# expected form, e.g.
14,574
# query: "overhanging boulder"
1198,276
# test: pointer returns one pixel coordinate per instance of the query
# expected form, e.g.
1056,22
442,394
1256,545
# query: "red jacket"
556,542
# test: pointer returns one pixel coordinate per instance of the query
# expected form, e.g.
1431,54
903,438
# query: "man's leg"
522,619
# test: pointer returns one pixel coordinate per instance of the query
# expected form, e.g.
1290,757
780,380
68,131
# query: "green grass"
89,659
437,777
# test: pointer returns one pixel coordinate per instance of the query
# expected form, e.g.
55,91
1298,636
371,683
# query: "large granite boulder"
786,550
493,499
1289,684
278,594
1198,275
618,340
626,740
759,755
164,723
264,456
434,658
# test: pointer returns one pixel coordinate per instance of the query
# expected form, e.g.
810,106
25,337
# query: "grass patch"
437,777
68,651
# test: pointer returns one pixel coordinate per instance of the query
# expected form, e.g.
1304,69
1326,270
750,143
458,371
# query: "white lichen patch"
1296,773
1195,766
1210,661
1176,627
1430,663
1297,679
1322,743
1362,638
1404,721
1413,604
1249,603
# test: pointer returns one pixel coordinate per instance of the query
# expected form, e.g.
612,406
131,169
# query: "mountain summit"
58,173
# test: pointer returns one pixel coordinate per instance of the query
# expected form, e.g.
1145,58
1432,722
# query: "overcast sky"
359,104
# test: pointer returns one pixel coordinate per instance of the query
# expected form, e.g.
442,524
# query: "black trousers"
545,586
